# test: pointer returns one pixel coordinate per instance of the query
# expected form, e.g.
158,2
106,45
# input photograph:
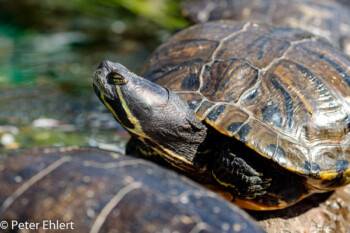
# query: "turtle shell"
325,18
92,190
281,91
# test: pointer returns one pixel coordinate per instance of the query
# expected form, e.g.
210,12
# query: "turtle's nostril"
105,63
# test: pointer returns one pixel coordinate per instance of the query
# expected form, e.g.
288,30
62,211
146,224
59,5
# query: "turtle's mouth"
96,77
97,90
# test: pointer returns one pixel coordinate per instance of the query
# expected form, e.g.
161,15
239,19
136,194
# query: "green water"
48,52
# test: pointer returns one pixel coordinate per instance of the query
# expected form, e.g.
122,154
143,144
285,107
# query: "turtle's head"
147,110
108,76
128,96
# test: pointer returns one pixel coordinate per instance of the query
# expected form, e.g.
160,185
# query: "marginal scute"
230,128
203,108
326,156
346,153
341,165
216,112
243,132
259,137
295,155
277,153
270,150
233,127
311,168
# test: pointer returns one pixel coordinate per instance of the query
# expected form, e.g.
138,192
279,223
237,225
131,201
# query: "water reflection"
45,76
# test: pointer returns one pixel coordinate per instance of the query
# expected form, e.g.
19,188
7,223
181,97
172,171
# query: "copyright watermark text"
44,224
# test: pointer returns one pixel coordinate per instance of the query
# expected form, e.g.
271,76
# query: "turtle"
92,190
258,112
326,18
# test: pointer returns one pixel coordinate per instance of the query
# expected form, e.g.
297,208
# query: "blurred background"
48,52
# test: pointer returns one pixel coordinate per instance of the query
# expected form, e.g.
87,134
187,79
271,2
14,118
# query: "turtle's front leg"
236,174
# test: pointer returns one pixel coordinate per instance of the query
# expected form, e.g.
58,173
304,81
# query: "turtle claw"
236,174
257,188
252,196
260,193
267,181
260,174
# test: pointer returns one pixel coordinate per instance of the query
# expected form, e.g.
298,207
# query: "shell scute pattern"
191,43
181,74
260,137
218,78
280,91
296,155
253,48
326,156
222,112
324,62
203,109
341,165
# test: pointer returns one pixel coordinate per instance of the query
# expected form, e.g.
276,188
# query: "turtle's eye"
116,79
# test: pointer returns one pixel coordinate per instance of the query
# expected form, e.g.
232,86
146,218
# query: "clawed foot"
233,172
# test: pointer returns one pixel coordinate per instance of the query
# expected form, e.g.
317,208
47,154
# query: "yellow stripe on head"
138,129
110,109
